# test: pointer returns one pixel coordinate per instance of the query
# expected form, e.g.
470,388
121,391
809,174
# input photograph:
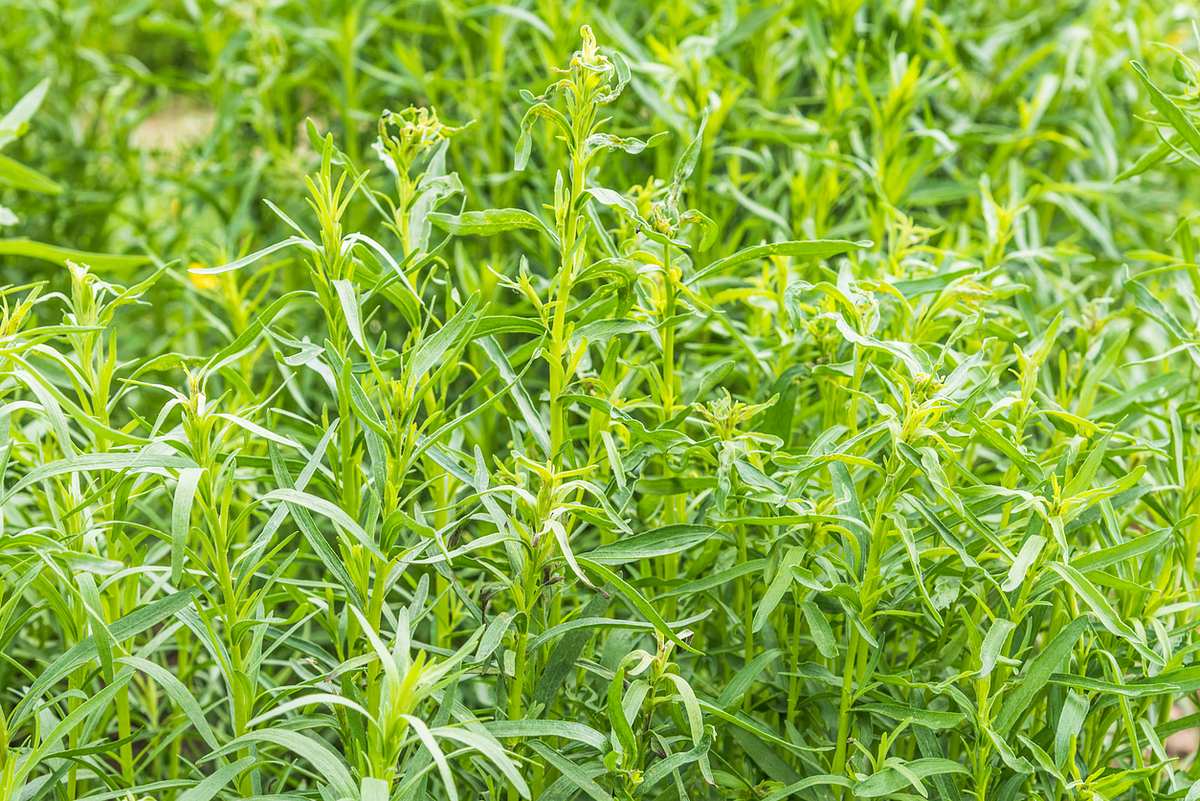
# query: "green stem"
562,299
855,668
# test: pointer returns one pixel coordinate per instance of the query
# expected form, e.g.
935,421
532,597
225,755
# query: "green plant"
788,402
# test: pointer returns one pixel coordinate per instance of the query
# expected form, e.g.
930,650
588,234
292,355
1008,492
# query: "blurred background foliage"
167,122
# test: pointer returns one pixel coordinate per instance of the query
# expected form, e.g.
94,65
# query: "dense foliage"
599,400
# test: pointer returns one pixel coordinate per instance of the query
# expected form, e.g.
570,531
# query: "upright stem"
516,695
854,669
124,728
668,338
747,605
847,698
676,505
562,299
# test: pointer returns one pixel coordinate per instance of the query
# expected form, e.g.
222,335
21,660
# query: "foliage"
740,400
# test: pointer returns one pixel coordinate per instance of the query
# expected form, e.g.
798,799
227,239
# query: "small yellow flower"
202,281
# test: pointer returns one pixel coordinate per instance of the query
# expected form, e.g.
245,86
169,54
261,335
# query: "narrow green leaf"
650,544
1036,673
